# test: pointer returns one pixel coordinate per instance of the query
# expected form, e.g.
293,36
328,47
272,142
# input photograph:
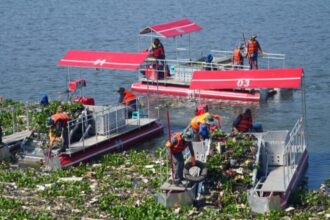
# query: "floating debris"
106,191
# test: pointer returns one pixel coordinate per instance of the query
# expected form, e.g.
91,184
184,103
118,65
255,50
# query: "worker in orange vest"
59,128
244,123
253,48
157,50
177,144
129,99
238,56
208,119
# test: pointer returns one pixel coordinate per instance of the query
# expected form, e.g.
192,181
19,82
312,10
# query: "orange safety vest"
252,47
237,56
128,96
61,116
179,146
244,124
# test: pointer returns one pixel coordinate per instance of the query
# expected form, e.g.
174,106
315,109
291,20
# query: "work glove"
168,144
52,139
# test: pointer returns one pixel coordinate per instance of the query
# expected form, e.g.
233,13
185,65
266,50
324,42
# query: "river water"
36,34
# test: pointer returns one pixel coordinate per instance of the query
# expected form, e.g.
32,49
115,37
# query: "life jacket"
252,46
245,123
197,120
128,96
237,56
158,52
201,109
180,145
61,116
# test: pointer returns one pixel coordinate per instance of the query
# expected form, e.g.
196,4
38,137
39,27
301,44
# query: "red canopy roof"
172,28
231,79
103,60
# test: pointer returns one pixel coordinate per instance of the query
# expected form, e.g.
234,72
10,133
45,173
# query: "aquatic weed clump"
122,186
18,116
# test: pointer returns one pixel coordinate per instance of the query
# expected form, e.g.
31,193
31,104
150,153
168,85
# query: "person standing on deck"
253,48
129,99
238,57
177,145
59,127
157,50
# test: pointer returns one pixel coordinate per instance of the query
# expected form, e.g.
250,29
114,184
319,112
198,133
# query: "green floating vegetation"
123,185
18,116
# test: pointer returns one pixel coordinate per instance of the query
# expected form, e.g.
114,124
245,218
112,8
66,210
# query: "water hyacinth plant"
115,187
18,116
122,185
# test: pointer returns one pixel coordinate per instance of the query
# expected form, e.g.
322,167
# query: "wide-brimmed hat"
247,111
187,134
50,121
209,120
59,109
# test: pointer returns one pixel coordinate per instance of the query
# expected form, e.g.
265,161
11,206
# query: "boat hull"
182,90
118,143
296,179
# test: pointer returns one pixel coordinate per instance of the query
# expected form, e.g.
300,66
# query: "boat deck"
275,181
131,124
168,186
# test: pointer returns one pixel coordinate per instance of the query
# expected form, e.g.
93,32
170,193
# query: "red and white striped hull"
120,142
185,91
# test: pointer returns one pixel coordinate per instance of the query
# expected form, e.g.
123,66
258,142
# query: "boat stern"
263,204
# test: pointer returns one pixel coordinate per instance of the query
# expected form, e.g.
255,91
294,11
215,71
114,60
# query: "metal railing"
181,69
293,150
104,121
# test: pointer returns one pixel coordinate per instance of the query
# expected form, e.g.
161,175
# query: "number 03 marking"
243,83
